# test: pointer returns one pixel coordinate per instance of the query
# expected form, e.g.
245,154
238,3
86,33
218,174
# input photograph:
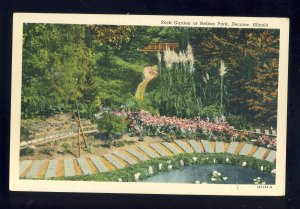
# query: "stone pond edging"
87,165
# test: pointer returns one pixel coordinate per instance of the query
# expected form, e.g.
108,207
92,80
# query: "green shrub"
112,124
210,111
143,104
238,121
27,151
67,148
47,151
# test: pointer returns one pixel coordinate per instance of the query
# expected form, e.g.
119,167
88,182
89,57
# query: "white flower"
170,167
213,179
254,179
227,160
150,170
159,57
258,178
197,182
215,173
137,176
194,159
262,168
225,178
215,161
222,69
219,174
169,161
263,182
244,164
207,76
160,166
119,180
181,162
273,171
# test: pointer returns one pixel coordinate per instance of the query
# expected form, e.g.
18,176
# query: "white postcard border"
16,184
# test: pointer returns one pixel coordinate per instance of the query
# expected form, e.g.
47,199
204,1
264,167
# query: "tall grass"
175,93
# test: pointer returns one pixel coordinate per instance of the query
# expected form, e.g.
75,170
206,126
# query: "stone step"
113,161
207,146
196,146
137,154
125,157
171,147
259,153
33,172
24,165
147,151
246,149
183,146
158,149
232,147
51,170
69,168
84,166
220,147
271,156
98,163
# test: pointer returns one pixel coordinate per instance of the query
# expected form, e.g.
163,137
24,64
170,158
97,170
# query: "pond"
203,173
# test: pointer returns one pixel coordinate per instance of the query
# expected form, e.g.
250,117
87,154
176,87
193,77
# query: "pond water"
203,173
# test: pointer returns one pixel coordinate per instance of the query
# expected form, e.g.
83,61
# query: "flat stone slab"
125,157
51,170
183,146
246,149
113,161
137,154
271,156
196,146
207,146
171,148
259,153
69,168
98,163
220,147
33,172
147,151
24,165
232,147
159,150
86,170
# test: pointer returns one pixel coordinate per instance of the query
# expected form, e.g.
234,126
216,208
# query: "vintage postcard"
149,104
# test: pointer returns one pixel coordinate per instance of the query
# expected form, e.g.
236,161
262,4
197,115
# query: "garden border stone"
125,157
137,154
159,150
51,170
207,146
171,147
183,146
98,163
196,146
84,166
147,151
113,161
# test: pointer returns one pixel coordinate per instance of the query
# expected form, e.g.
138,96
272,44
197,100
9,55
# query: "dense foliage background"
101,65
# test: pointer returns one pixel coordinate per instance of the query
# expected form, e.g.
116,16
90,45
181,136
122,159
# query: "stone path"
87,165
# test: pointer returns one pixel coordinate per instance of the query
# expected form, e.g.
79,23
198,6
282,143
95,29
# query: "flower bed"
170,128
